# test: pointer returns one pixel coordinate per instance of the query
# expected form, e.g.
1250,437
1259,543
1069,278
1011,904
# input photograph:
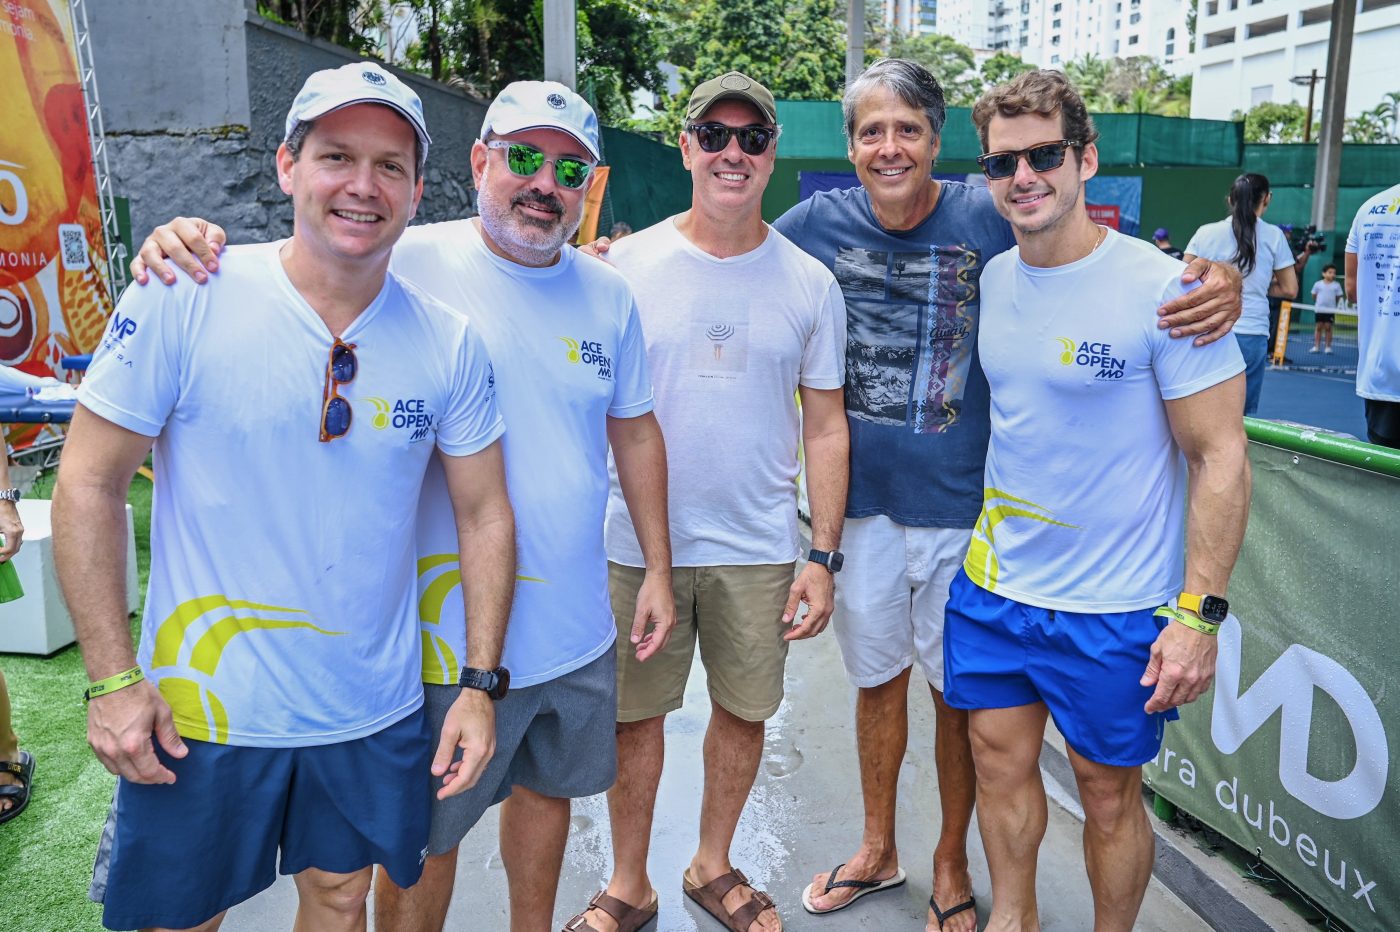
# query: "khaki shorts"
736,613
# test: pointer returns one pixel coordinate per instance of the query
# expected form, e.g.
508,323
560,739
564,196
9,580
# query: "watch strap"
1189,601
10,495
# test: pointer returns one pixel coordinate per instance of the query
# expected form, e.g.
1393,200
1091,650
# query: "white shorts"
890,596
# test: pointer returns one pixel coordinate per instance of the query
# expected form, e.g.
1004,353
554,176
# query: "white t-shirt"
567,350
1326,295
1375,240
281,609
1216,241
729,341
1083,508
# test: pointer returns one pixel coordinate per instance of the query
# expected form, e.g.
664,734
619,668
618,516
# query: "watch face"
1214,608
835,561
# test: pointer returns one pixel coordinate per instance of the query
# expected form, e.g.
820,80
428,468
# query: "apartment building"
1053,32
1247,52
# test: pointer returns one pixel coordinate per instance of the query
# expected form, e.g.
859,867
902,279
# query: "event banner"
1289,753
1115,201
54,294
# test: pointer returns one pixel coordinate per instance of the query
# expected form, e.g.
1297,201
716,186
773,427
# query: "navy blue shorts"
177,854
999,654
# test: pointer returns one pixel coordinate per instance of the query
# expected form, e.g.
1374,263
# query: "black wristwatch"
495,683
831,559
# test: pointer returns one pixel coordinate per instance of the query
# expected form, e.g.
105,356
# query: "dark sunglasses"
335,410
524,160
714,137
1041,158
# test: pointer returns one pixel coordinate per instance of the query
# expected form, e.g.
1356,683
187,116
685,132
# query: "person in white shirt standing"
737,320
1260,251
1373,285
279,654
1060,609
1327,295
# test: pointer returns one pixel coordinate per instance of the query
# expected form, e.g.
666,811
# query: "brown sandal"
629,918
710,898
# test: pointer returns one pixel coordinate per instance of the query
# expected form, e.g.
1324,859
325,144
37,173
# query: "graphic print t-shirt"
1375,240
916,398
1085,492
281,609
567,349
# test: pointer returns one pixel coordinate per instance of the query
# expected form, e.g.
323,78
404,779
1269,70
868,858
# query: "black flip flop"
17,793
970,903
862,887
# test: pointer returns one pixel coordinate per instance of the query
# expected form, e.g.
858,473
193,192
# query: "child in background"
1327,293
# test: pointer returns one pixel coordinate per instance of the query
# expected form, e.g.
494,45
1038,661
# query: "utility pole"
561,42
1334,112
855,39
1311,81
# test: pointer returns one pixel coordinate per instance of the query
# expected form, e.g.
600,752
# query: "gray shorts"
557,738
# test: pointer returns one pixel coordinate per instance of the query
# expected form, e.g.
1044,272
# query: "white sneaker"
1314,348
1328,351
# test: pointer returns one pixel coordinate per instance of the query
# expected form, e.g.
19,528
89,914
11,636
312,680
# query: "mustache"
538,199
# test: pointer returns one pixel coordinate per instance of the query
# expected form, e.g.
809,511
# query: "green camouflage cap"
731,86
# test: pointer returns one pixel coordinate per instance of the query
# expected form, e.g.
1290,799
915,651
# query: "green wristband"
113,683
1188,619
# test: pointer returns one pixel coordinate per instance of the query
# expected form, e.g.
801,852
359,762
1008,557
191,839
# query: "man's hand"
1182,666
120,725
598,249
815,586
190,243
12,529
470,725
656,607
1210,310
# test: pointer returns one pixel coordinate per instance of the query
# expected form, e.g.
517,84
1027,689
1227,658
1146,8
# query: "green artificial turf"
46,853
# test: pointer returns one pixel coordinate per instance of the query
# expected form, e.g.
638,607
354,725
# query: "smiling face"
892,147
1039,202
731,179
528,219
352,184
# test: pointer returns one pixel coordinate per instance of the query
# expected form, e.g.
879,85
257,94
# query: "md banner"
1291,751
54,294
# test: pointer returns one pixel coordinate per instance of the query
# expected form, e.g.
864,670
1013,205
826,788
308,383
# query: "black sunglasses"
1041,158
713,137
335,410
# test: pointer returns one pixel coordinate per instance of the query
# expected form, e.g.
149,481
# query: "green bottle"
10,589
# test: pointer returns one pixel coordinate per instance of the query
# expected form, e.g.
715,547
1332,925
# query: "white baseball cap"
526,105
357,83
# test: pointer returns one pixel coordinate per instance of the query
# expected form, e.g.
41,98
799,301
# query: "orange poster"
54,294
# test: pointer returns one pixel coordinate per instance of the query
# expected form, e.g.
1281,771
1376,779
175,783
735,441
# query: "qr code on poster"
72,241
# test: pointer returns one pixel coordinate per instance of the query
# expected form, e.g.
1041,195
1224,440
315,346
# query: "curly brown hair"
1042,91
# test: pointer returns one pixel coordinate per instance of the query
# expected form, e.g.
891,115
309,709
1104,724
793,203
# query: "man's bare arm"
89,539
640,453
1208,312
1352,264
486,536
1284,284
189,243
1210,432
826,446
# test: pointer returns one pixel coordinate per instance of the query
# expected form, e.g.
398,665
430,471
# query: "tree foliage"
1129,85
951,62
1274,122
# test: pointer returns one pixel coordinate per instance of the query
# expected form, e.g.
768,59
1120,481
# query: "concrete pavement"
804,816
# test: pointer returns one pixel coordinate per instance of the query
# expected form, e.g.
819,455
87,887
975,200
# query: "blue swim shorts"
999,654
175,855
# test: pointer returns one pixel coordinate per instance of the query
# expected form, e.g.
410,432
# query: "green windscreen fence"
813,129
647,181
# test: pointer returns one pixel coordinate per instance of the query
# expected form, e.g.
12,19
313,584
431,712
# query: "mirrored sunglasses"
524,160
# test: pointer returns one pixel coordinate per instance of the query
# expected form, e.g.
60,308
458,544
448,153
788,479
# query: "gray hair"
910,81
297,138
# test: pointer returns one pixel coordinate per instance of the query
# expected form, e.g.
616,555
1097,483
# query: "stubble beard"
531,240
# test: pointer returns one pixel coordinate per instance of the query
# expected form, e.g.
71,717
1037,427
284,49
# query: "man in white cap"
280,643
571,375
